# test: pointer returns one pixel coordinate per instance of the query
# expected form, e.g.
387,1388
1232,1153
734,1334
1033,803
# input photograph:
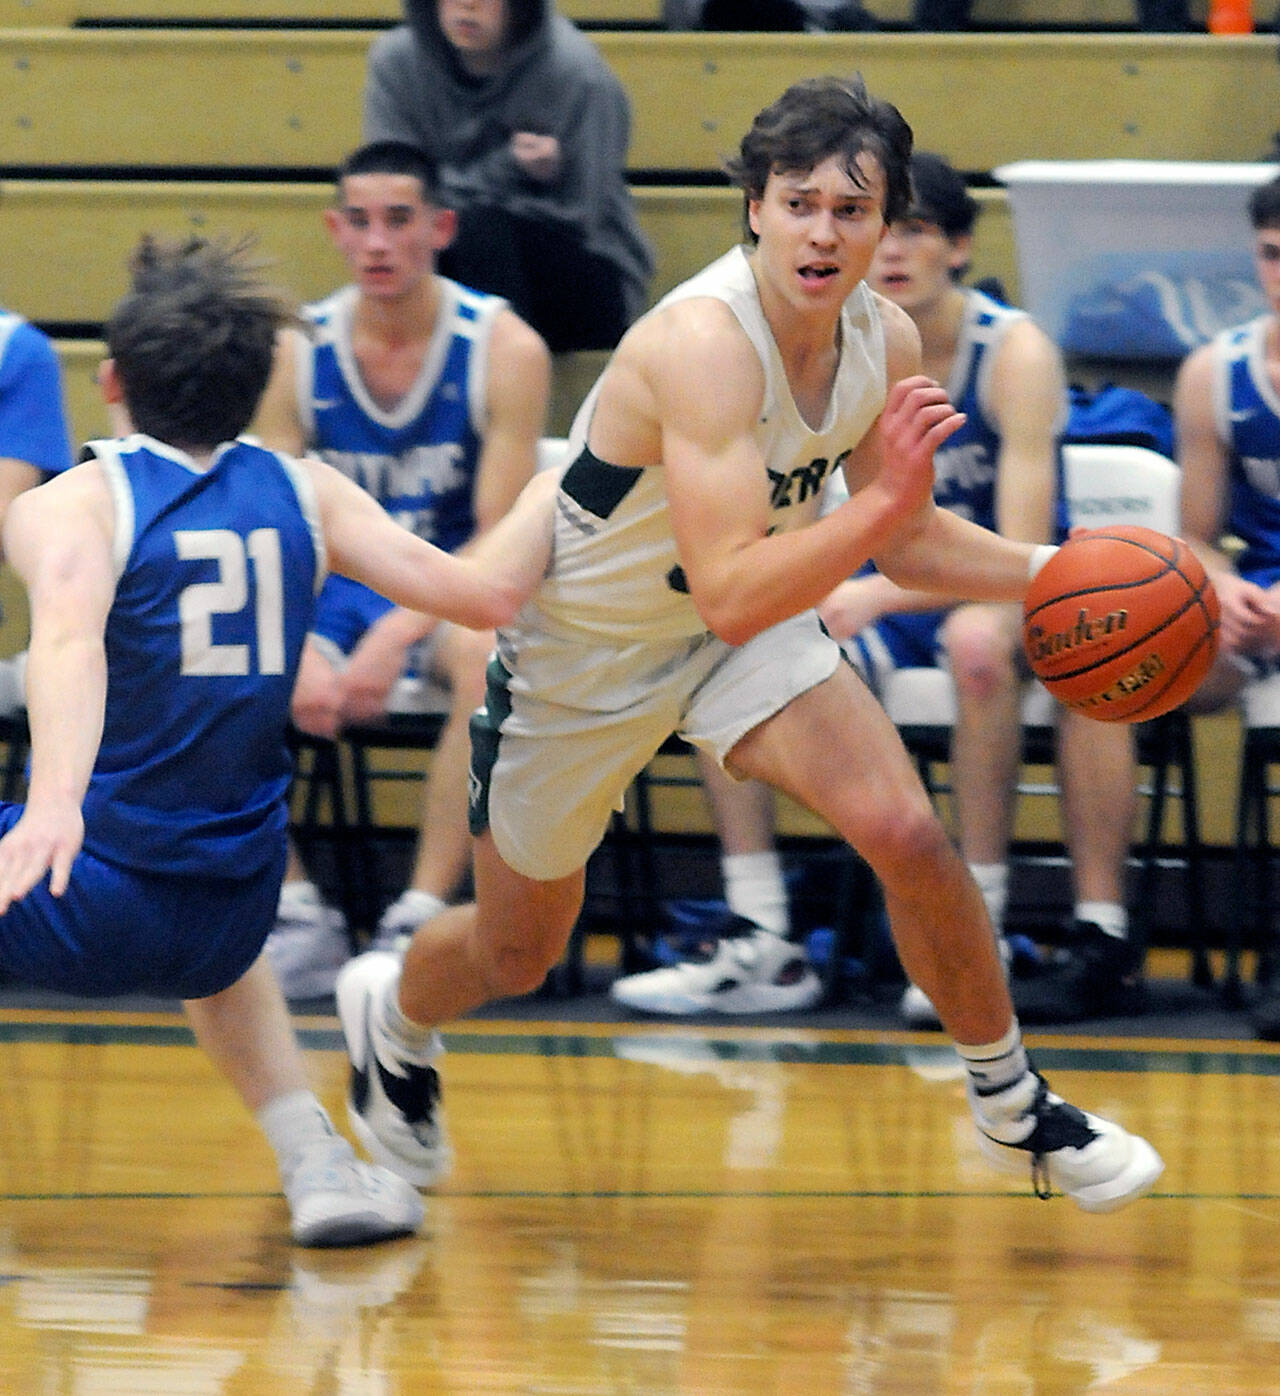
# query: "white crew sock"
755,888
1109,917
412,907
407,1040
994,1065
13,684
302,894
293,1123
993,883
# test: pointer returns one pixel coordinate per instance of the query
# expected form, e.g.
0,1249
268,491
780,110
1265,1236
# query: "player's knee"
315,716
316,703
514,967
905,840
979,654
465,660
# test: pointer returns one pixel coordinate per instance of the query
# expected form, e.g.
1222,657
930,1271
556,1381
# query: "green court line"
682,1053
1015,1192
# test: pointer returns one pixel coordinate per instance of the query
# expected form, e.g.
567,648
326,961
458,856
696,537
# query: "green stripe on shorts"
486,724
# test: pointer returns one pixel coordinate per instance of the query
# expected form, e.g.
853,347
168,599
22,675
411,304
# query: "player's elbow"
498,607
730,623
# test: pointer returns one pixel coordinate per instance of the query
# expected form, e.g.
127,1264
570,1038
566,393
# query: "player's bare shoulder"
66,508
516,346
697,349
902,351
679,364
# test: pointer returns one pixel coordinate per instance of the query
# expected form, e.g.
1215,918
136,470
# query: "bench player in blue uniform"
171,579
1227,419
34,440
433,398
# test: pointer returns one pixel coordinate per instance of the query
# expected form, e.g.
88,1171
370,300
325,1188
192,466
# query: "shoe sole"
1137,1178
351,1015
361,1229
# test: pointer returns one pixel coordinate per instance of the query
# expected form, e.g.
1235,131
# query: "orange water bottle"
1230,17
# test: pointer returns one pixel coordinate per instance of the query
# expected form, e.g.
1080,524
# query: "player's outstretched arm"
57,538
481,590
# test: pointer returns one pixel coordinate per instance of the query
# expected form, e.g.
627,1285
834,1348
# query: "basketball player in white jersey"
688,557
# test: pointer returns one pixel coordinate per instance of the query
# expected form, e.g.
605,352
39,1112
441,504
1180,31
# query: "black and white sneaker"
393,1104
1093,1161
749,970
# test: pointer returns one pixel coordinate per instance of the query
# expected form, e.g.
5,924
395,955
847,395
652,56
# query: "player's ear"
108,381
444,228
960,252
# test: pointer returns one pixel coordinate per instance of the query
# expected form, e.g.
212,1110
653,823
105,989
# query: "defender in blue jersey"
171,578
1001,469
34,440
432,398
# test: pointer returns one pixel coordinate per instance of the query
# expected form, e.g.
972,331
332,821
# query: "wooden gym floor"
637,1209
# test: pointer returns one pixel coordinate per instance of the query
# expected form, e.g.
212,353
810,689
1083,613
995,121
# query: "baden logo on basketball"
1042,644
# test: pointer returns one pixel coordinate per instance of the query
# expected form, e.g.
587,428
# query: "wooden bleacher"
67,241
298,13
157,99
1001,14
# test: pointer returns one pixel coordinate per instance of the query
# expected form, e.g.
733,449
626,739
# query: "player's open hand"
45,839
917,418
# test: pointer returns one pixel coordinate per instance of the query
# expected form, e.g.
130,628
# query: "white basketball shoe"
393,1103
1093,1161
753,971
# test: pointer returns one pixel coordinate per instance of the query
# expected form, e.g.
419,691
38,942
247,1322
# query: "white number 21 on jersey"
201,601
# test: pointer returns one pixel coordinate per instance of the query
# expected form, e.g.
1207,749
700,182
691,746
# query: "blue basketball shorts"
901,640
117,930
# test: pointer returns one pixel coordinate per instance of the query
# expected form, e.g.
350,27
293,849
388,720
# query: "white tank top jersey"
615,574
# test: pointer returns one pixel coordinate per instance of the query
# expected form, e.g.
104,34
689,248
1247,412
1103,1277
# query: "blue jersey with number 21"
218,571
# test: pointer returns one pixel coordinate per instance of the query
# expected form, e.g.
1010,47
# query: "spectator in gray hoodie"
529,127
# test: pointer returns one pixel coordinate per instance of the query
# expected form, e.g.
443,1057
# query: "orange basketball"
1121,623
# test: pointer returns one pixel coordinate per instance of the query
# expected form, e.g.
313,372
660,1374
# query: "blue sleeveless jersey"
965,465
218,573
418,459
1247,409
